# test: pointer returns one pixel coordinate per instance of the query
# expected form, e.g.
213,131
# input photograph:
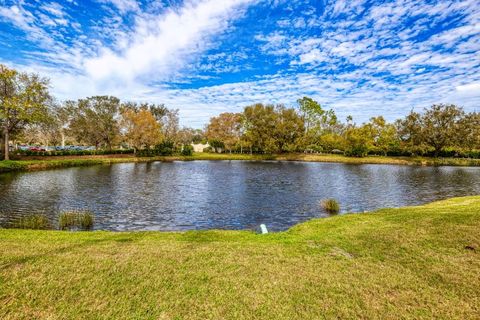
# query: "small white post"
263,229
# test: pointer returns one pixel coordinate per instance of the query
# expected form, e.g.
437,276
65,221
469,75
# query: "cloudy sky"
361,58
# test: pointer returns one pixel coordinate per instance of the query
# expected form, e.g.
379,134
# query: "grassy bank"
40,163
409,263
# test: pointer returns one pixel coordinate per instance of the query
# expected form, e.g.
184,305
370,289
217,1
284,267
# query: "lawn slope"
409,263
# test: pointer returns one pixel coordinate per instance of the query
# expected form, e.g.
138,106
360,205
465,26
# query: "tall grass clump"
72,220
33,221
331,206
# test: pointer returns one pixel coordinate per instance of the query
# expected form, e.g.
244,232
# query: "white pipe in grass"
263,229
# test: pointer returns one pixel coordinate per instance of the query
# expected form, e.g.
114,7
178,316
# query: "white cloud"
123,5
25,21
156,48
160,46
313,56
473,88
361,66
54,9
17,16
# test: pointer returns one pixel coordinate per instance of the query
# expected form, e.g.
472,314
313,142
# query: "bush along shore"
45,162
418,262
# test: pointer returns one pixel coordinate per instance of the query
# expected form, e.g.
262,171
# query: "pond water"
224,194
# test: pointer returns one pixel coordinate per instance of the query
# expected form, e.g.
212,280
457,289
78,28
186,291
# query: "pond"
224,194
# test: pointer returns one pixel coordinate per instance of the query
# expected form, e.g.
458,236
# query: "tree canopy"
29,114
23,99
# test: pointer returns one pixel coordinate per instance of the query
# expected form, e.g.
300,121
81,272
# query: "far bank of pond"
32,163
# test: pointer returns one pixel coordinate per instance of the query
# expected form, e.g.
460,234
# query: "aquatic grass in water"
331,206
33,221
72,220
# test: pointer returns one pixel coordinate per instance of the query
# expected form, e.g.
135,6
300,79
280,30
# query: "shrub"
82,220
217,145
34,221
145,153
165,148
357,151
73,152
331,206
187,150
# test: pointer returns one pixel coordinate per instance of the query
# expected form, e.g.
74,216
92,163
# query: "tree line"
440,130
29,114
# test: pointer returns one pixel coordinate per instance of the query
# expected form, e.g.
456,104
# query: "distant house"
199,147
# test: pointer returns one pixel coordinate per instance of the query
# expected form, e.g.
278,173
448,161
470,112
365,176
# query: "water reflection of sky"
225,194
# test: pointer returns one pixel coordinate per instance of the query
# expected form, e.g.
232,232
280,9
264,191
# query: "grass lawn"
52,162
409,263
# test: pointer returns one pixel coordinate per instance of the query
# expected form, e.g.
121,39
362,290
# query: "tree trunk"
1,146
7,149
437,151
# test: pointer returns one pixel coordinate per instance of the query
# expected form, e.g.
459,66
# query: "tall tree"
190,135
358,141
259,123
62,118
141,130
316,118
23,100
225,128
311,111
289,129
94,120
468,136
440,124
168,120
383,135
410,133
317,122
46,132
272,129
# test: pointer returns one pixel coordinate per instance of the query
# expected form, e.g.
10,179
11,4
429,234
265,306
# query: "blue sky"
361,58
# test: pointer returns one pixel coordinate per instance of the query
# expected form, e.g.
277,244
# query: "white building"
199,147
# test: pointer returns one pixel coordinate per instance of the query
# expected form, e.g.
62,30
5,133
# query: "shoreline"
51,162
466,200
420,261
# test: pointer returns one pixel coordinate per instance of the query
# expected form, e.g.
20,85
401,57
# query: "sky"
204,57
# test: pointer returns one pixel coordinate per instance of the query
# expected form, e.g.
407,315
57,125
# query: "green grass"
408,263
75,161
